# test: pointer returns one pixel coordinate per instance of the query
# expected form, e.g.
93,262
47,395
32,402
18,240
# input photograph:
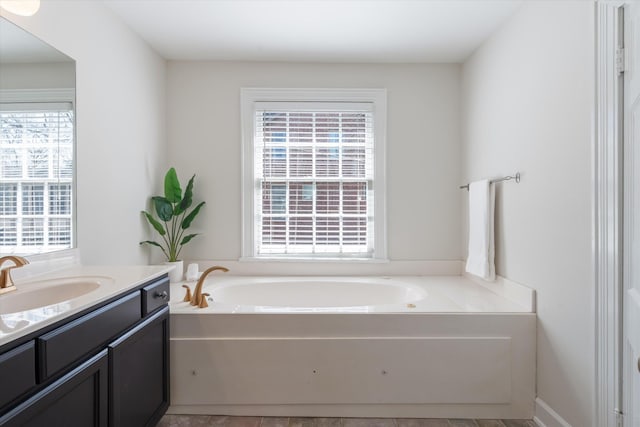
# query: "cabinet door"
79,398
17,372
139,369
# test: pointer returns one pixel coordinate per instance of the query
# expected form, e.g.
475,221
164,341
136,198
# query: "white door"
631,327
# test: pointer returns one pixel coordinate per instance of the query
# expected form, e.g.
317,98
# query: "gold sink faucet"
197,297
6,283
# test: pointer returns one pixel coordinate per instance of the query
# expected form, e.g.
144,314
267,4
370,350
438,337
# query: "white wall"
121,143
422,145
527,106
38,75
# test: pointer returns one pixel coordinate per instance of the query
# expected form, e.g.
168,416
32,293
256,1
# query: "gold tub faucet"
197,297
6,283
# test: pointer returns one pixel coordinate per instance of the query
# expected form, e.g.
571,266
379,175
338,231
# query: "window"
313,173
36,176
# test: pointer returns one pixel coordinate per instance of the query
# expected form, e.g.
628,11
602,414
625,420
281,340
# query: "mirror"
37,144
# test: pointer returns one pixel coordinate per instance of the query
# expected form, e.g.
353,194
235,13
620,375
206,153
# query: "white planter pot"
177,272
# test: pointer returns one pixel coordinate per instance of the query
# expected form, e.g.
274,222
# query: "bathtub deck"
445,294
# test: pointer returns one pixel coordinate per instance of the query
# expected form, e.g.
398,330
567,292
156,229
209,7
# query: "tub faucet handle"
187,295
203,301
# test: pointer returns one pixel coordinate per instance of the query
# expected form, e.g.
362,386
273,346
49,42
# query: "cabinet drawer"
155,295
18,372
61,347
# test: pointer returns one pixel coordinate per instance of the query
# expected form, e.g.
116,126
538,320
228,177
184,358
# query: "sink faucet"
6,284
196,299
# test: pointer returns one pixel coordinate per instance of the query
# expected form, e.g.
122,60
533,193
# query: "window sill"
315,260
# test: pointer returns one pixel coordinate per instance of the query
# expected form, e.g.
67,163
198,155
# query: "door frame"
608,214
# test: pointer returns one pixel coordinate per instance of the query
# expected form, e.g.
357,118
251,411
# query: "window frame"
51,96
248,99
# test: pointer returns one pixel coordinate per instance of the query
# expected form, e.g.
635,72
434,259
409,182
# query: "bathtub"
309,293
399,346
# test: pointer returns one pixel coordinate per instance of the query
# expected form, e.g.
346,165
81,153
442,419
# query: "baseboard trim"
545,416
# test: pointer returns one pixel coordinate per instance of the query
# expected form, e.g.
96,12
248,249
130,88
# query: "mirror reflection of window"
36,176
37,144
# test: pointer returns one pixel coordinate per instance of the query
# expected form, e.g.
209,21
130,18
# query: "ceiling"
384,31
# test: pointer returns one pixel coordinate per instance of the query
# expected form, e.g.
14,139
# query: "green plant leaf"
164,209
186,222
187,200
187,239
151,242
159,228
172,190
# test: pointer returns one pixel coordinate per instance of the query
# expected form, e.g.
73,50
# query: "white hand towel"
480,260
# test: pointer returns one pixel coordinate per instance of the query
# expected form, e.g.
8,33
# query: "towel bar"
505,178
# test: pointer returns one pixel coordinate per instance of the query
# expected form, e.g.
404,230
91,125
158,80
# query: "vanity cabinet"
105,367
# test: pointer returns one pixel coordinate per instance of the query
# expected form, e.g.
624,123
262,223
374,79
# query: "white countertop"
113,280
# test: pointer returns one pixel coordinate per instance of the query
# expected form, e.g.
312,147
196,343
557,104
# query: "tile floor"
224,421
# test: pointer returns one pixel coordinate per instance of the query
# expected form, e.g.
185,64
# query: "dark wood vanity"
105,366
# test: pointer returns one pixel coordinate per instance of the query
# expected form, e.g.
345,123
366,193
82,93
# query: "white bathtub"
305,292
398,294
439,346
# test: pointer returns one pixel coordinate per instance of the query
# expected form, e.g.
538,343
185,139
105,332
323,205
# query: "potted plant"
174,218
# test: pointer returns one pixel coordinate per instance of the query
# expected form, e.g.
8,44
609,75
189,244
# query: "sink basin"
46,293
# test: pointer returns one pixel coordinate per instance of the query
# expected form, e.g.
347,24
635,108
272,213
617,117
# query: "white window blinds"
36,177
314,178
